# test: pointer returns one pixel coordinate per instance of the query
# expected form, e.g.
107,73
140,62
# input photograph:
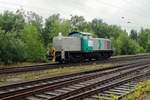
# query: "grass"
5,79
141,89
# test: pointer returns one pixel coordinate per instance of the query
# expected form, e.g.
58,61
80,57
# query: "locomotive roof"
82,33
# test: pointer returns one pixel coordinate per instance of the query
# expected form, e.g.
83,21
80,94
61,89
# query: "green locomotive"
80,46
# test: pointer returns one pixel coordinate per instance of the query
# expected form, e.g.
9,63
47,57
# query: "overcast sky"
111,11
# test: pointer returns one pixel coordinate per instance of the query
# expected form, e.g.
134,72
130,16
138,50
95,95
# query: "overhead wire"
129,11
121,8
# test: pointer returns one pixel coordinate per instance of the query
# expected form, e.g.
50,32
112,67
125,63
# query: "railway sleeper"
118,91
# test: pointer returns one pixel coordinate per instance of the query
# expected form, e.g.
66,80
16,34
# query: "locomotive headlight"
60,36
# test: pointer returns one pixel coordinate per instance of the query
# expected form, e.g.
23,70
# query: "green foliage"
125,45
12,48
140,89
10,21
35,50
25,36
144,39
101,98
104,30
65,27
52,28
148,47
19,42
36,21
134,35
78,23
114,97
53,25
98,26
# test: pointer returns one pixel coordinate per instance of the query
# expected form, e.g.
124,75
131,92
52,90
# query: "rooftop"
83,33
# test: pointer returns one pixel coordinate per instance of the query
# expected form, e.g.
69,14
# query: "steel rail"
131,70
57,65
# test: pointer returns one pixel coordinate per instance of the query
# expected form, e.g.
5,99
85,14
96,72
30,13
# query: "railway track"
76,85
111,91
117,92
57,65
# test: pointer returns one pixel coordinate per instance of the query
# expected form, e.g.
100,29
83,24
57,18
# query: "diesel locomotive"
80,46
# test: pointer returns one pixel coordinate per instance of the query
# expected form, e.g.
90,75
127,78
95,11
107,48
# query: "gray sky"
111,11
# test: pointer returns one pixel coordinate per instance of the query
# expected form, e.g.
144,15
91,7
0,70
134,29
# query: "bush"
34,47
12,48
125,45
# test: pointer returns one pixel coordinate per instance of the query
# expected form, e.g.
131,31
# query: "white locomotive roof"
83,33
86,33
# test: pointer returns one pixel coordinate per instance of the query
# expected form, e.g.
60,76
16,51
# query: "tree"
104,30
133,35
65,27
35,20
144,39
97,26
11,48
125,45
34,47
148,47
24,37
78,23
10,21
52,28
